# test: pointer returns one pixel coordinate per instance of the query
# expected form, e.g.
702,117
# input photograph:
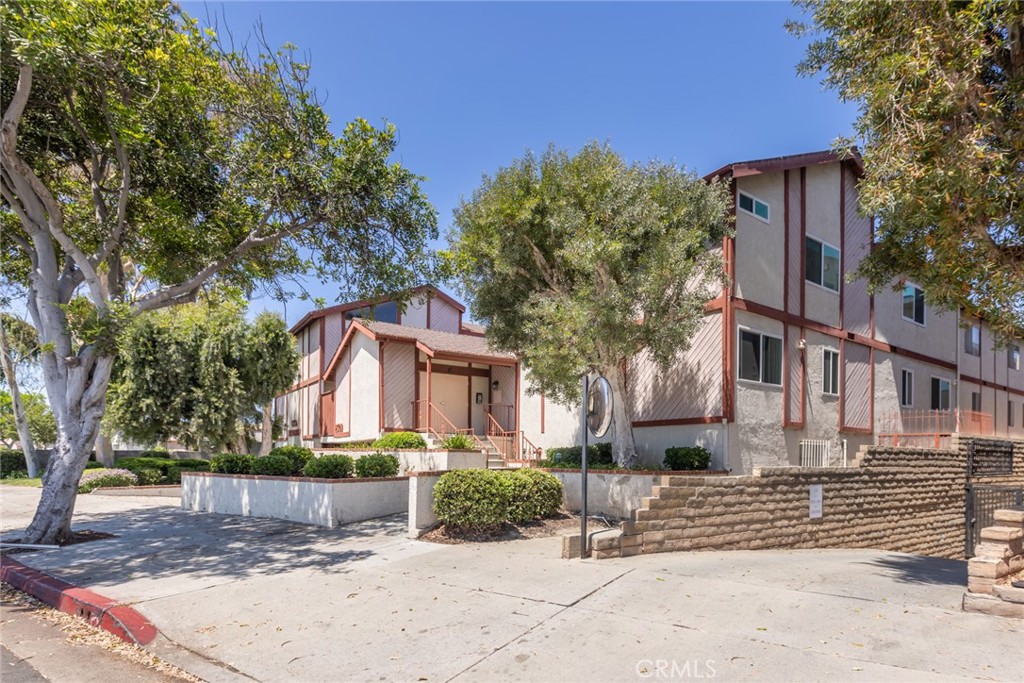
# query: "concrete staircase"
494,459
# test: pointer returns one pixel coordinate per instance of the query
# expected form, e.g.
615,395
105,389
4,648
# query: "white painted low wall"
615,494
421,503
321,502
422,460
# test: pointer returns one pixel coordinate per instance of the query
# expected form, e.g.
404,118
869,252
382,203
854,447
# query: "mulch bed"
560,524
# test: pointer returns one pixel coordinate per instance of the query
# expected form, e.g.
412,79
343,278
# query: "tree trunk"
267,431
20,420
623,446
77,392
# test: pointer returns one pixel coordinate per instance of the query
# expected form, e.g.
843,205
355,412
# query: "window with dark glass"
913,304
940,394
760,358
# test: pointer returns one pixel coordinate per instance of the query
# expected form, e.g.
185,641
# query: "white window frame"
906,374
947,381
924,309
740,329
972,350
755,200
821,275
826,368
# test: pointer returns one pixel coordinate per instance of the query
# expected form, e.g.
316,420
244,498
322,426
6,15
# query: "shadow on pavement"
918,569
154,543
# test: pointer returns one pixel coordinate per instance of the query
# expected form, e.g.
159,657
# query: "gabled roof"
739,169
473,328
432,342
429,290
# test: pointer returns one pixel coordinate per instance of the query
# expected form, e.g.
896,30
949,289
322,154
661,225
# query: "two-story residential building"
793,364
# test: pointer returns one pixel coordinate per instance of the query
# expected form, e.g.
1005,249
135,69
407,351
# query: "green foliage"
940,88
377,465
458,442
687,458
598,454
41,424
482,499
230,463
198,373
298,456
94,479
277,465
333,466
148,476
580,261
174,472
139,463
93,465
11,462
393,440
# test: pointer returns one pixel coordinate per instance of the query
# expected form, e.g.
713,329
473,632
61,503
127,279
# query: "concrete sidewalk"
271,601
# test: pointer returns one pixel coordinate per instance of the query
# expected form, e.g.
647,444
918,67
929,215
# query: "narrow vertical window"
907,389
830,372
972,340
1013,357
913,304
940,394
976,401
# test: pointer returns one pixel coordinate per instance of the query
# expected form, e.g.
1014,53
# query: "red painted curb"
110,615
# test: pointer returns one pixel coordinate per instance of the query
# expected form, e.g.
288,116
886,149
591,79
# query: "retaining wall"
612,493
321,502
420,460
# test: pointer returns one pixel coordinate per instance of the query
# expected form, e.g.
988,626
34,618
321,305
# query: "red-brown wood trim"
429,397
705,420
785,242
871,390
856,430
427,351
542,413
716,304
301,385
842,384
469,390
828,330
380,392
473,358
516,398
992,385
803,382
803,241
785,371
341,434
349,388
728,315
429,298
871,297
842,239
454,370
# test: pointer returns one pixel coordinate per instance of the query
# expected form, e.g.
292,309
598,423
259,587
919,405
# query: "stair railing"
438,424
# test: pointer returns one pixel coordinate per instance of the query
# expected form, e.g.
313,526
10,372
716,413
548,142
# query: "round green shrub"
334,466
274,465
546,491
94,479
192,464
393,440
377,465
230,463
518,492
472,499
145,462
148,476
298,455
458,442
687,458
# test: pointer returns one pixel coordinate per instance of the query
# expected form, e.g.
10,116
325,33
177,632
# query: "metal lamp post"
596,419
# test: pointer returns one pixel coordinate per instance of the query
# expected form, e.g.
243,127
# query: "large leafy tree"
38,419
19,347
141,159
199,374
941,93
580,262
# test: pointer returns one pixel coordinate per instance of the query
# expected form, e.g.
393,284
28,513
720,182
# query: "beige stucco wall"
756,439
614,494
561,423
938,338
415,314
759,246
365,388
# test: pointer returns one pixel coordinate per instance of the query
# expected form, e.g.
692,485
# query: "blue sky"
472,85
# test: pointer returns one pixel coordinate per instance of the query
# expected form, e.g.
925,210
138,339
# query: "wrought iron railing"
930,428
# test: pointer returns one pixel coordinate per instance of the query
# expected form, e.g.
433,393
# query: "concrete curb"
110,615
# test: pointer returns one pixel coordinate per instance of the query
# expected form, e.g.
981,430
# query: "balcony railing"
931,428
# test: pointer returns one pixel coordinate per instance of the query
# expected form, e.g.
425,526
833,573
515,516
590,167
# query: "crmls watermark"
671,668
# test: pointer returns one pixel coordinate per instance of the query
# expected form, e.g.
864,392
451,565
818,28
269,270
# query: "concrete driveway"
249,599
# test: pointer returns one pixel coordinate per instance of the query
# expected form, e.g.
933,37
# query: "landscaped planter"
321,502
420,460
616,493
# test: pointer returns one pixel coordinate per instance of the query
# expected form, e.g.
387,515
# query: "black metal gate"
982,502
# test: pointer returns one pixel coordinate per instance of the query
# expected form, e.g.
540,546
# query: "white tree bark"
20,420
267,431
623,445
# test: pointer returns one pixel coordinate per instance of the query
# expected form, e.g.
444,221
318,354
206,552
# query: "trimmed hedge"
298,456
334,466
144,462
11,461
687,458
275,465
93,465
393,440
230,463
572,456
94,479
377,465
148,476
458,442
482,499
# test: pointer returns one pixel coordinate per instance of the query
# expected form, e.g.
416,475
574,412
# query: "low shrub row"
393,440
154,467
12,464
297,461
482,499
377,465
572,456
599,457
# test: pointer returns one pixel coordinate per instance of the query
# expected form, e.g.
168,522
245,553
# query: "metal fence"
930,428
819,453
982,502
